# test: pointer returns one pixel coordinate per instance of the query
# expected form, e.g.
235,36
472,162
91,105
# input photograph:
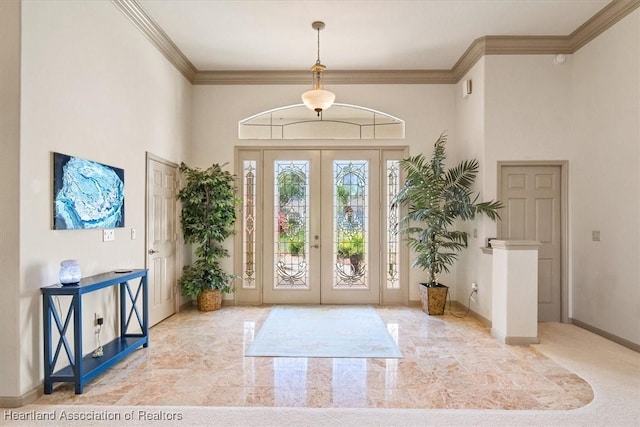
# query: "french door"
318,227
321,226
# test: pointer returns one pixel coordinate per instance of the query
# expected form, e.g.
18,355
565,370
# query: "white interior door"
161,238
532,196
322,235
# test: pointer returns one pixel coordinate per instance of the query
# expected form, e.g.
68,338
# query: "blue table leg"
46,317
77,343
145,309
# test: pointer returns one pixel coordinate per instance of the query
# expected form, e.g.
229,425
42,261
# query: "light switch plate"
595,235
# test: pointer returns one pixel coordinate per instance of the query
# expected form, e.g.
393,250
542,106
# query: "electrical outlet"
98,319
108,235
474,287
595,235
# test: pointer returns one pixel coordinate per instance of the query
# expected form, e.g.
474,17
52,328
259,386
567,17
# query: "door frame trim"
254,296
564,222
155,158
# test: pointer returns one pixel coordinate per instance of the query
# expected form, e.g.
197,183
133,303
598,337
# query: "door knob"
151,252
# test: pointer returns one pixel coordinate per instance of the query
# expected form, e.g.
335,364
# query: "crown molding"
337,77
509,45
388,77
601,21
250,77
487,45
136,14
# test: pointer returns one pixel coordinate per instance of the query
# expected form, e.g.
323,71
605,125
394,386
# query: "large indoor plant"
436,198
209,200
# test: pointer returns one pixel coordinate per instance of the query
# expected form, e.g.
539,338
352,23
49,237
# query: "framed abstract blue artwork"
86,194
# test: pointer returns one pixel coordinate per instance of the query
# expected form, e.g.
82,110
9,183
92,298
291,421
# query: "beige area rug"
324,331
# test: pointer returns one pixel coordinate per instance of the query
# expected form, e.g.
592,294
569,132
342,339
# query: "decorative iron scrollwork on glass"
291,224
350,223
248,223
393,237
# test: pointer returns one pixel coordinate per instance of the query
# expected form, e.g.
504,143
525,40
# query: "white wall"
94,87
605,178
427,109
470,128
9,192
527,111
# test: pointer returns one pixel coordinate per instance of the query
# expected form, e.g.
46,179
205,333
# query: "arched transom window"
341,121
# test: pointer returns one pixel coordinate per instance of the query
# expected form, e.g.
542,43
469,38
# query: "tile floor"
197,359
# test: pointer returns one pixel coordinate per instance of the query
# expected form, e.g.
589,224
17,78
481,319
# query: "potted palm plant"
436,197
209,200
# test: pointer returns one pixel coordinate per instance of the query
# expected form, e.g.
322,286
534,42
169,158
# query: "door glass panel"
350,231
248,224
393,237
291,224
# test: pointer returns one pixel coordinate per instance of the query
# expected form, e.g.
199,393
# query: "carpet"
327,331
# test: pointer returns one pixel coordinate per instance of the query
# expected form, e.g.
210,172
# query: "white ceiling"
359,34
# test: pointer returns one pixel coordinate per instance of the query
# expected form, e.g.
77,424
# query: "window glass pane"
341,121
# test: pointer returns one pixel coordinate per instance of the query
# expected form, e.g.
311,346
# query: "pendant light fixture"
318,99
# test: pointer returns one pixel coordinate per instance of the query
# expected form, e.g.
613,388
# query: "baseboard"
497,335
457,306
187,304
616,339
25,399
513,340
521,340
193,303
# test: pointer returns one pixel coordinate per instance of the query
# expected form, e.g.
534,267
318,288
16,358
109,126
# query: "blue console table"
82,369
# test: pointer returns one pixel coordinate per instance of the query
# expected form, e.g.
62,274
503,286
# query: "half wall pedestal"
515,291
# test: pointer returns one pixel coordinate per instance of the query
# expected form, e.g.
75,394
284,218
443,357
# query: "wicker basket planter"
433,298
209,300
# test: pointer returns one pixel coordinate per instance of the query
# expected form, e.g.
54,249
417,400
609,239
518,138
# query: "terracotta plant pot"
433,298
